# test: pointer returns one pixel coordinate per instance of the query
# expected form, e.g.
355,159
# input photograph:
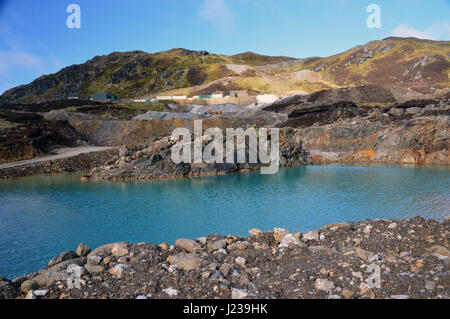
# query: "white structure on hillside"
266,98
164,98
179,97
217,96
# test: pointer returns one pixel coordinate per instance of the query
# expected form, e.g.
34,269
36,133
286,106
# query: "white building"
180,97
164,98
217,96
266,98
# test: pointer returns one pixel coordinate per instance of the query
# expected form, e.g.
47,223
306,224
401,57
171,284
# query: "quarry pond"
42,216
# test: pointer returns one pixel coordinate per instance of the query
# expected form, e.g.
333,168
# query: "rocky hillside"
421,65
137,73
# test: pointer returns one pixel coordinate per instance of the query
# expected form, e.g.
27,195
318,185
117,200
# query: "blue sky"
34,38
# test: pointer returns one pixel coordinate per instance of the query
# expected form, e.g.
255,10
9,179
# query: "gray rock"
290,241
219,244
94,260
119,270
324,285
312,235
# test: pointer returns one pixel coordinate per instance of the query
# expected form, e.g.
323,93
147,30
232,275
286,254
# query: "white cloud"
435,32
217,13
13,58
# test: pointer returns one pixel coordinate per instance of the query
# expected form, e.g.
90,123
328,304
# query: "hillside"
421,65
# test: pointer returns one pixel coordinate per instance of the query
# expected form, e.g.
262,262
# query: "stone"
219,244
337,226
311,235
188,245
430,285
290,240
239,293
413,110
368,229
52,261
94,269
29,285
83,250
438,251
94,260
392,226
185,261
447,263
119,270
171,292
119,249
202,240
241,261
164,246
226,270
40,292
279,233
141,297
66,255
400,297
30,295
123,151
324,285
347,293
395,111
242,245
254,232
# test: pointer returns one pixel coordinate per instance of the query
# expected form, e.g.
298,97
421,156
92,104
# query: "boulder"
118,270
188,245
312,235
185,261
254,232
324,285
94,269
66,255
279,233
219,244
83,250
239,294
290,241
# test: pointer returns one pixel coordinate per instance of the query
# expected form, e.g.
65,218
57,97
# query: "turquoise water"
43,216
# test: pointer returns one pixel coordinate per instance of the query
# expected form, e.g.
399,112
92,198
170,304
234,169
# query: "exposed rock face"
411,261
416,141
413,132
154,161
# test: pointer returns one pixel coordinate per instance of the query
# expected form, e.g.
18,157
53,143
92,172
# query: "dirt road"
61,153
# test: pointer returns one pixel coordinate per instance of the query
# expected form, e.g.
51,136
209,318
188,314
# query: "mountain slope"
130,74
408,62
421,65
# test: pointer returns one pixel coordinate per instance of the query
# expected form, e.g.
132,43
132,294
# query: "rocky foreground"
336,261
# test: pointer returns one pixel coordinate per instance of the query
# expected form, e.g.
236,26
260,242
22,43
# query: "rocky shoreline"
368,259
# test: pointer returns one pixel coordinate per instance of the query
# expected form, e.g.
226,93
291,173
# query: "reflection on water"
42,216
